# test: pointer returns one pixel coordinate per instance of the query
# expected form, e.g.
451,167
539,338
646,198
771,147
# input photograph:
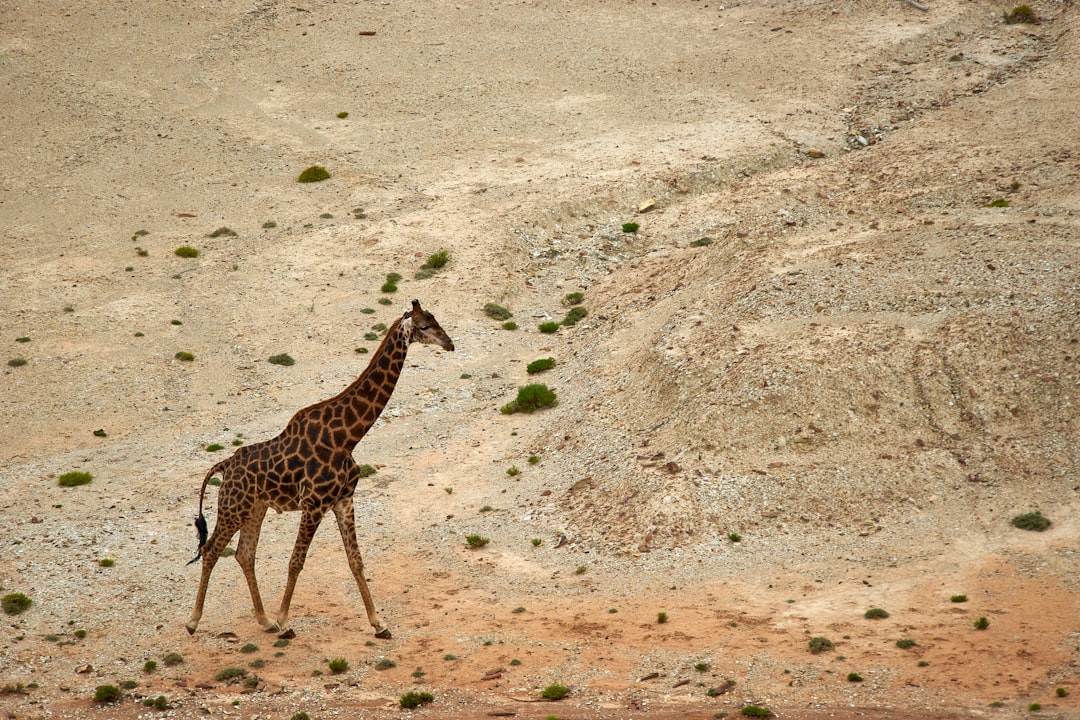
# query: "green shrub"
230,673
701,242
449,656
905,643
476,541
249,648
536,542
531,398
412,700
300,716
1061,692
999,203
342,115
1031,521
106,694
366,470
981,624
17,362
222,232
385,664
820,644
576,314
573,298
22,339
548,327
186,251
509,325
71,479
630,227
876,614
513,470
701,666
555,692
385,301
534,459
315,173
580,570
149,666
1034,707
958,598
371,336
81,634
734,537
129,685
756,711
15,603
1021,14
437,259
172,659
388,287
283,359
106,562
214,447
269,225
497,312
661,617
338,665
184,356
854,677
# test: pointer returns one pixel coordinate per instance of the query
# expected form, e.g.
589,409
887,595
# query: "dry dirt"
865,375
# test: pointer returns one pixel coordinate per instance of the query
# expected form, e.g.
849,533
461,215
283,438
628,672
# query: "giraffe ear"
416,306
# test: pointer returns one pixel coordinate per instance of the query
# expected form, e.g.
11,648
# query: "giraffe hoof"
272,628
190,628
384,634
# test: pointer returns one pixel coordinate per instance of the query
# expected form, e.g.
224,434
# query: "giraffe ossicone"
308,467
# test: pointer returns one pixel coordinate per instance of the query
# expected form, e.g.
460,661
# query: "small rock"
646,206
815,153
85,669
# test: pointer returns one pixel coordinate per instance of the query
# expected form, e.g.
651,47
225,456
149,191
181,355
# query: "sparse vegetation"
580,569
701,242
366,470
437,260
905,643
15,603
149,666
338,665
173,659
756,711
575,315
1031,521
106,694
476,541
958,598
214,447
17,362
184,356
548,327
128,685
701,666
630,227
531,398
661,617
734,537
999,203
283,359
230,673
22,339
537,366
385,664
449,656
412,700
342,115
509,325
536,542
186,251
80,634
249,648
819,645
315,173
981,624
1061,692
1021,14
1035,707
854,677
513,470
222,231
269,225
497,312
573,298
74,478
555,692
106,562
876,614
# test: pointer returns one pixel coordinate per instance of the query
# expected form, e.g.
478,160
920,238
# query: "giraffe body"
308,467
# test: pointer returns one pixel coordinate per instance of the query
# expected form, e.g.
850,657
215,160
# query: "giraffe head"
424,328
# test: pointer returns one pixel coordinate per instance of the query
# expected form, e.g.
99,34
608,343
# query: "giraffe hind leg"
343,511
223,532
245,555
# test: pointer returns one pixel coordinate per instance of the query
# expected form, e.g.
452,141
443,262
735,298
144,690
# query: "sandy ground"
863,375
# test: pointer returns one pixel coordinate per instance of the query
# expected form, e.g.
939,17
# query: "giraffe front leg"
245,555
343,511
309,523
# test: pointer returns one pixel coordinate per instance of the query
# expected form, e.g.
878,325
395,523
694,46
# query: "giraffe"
308,467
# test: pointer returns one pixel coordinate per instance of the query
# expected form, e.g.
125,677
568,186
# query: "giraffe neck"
352,412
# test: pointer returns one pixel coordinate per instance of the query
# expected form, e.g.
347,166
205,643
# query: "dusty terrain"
865,375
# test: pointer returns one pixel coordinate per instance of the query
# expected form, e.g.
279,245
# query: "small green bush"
214,447
497,312
106,694
338,665
129,685
222,231
958,598
661,617
999,203
342,115
269,225
476,541
437,260
854,677
1061,692
981,624
734,537
555,692
366,470
756,711
548,327
17,362
534,459
701,666
876,614
71,479
230,673
15,603
283,359
249,648
1035,707
536,542
149,666
701,242
106,562
173,659
509,325
1021,14
573,298
412,700
300,716
905,643
388,287
385,664
81,634
22,339
1031,521
513,470
819,645
385,301
531,398
315,173
449,656
184,356
580,570
576,314
186,251
630,227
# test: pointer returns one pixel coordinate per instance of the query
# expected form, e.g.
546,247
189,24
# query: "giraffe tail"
200,521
